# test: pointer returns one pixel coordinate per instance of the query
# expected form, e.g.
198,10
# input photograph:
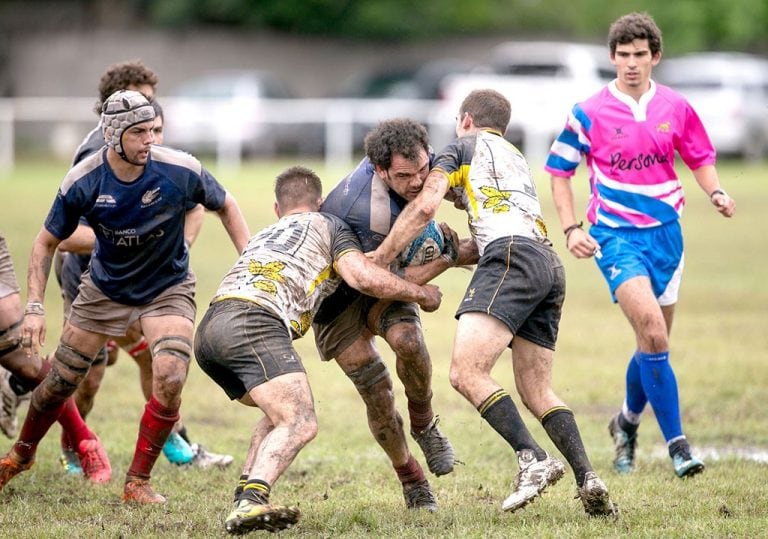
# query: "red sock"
410,472
156,424
73,424
35,426
420,414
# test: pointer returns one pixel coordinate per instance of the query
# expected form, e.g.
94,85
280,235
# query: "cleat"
177,450
70,461
624,447
249,515
9,404
437,449
595,499
205,459
686,465
94,461
140,491
10,466
418,495
534,476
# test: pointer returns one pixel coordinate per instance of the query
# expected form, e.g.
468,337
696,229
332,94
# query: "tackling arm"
368,278
414,218
234,223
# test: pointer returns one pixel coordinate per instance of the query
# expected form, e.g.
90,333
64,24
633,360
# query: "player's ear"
277,210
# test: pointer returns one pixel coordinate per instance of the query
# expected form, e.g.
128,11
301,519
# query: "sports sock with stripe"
501,414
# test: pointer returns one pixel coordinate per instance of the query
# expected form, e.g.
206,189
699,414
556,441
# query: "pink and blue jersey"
630,150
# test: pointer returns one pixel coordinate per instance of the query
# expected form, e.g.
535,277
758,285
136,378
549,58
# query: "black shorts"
520,282
241,345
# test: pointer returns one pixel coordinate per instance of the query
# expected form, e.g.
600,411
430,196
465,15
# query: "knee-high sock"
636,398
155,426
561,427
660,385
501,413
37,423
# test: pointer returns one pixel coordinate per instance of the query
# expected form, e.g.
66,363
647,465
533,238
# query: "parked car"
729,91
542,80
229,107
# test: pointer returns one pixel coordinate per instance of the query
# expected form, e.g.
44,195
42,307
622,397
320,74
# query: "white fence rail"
227,121
229,127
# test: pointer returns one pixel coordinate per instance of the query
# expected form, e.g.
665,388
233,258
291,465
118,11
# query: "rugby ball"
425,248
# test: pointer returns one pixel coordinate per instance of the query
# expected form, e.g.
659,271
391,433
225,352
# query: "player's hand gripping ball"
425,248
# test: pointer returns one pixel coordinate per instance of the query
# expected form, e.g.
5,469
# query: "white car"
226,110
542,80
729,92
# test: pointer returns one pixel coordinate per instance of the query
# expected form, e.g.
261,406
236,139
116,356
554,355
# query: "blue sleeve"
65,213
206,190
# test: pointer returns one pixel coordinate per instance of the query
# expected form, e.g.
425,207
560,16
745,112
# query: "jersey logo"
615,272
106,200
664,127
150,197
618,133
266,275
497,201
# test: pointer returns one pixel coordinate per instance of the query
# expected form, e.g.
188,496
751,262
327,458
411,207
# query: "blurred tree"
687,24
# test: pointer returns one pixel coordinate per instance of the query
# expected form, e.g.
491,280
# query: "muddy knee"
67,372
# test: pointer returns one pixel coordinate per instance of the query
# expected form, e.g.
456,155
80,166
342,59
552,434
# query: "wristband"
717,192
34,307
571,228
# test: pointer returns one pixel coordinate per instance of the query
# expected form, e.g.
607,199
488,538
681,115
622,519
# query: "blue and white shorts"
656,253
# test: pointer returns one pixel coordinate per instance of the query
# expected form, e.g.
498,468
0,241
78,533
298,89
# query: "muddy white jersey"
288,267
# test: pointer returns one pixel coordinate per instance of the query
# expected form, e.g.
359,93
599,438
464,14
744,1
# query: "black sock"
501,413
19,386
680,446
563,431
183,433
626,426
256,491
240,486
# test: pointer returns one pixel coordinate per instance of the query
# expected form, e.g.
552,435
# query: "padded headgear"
120,111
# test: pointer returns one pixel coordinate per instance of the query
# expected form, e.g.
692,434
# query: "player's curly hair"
297,185
120,76
488,108
634,26
399,136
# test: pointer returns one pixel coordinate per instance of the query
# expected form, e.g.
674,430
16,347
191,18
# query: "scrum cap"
120,111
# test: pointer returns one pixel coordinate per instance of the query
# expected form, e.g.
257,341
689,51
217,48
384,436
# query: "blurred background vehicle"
229,108
542,80
730,94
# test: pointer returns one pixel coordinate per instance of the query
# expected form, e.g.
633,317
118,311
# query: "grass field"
342,481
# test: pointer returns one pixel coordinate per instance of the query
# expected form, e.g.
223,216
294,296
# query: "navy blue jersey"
366,204
370,208
92,143
139,225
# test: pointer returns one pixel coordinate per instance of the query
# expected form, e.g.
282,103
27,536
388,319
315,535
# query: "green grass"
342,481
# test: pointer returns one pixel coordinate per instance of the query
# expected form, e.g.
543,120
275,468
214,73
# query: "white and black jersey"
288,267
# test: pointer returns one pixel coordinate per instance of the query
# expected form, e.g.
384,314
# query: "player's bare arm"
193,222
234,223
368,278
707,179
414,218
577,240
82,241
33,328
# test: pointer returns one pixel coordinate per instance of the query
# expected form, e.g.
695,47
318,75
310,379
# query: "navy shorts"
520,282
241,345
